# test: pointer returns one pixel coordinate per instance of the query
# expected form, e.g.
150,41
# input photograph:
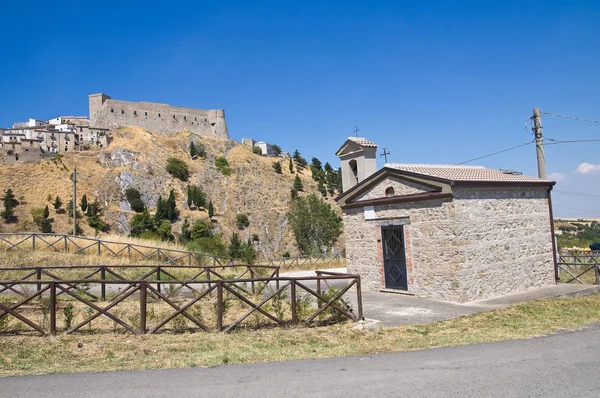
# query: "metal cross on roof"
356,130
385,153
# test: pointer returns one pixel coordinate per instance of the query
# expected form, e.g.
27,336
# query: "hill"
136,159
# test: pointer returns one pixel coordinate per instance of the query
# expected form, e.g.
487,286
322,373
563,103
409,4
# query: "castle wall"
161,118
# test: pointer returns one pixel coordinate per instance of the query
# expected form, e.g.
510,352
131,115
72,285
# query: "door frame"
403,260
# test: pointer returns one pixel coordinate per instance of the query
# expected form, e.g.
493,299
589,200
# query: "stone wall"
481,243
19,153
161,118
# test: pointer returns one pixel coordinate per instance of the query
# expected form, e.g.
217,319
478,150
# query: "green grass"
20,355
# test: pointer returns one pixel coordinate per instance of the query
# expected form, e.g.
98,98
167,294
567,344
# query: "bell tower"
359,160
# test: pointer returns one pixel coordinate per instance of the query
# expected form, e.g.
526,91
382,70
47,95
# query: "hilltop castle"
161,118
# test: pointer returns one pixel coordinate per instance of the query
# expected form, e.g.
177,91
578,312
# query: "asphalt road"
564,365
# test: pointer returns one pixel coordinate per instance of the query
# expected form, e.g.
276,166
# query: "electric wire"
581,119
496,153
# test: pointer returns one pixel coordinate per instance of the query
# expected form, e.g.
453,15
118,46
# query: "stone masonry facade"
481,242
160,118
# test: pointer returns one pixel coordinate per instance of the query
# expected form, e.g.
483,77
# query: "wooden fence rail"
85,245
141,291
578,265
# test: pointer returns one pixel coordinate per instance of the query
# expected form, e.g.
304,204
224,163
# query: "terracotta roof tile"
464,173
363,142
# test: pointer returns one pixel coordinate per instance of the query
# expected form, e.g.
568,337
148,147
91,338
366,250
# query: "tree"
201,229
241,221
164,231
84,203
10,202
327,167
46,225
94,217
293,193
316,163
134,198
276,149
298,183
316,226
141,223
211,209
296,156
193,153
172,212
198,197
291,166
235,247
186,234
57,203
178,169
248,253
46,212
277,167
256,150
137,205
190,200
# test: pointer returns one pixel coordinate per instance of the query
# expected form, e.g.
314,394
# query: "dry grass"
81,353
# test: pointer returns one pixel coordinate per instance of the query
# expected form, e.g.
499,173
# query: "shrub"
222,164
201,229
276,149
178,169
277,167
298,183
210,245
256,150
137,205
241,221
164,231
131,194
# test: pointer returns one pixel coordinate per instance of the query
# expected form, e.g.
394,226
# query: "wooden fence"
84,245
258,296
580,266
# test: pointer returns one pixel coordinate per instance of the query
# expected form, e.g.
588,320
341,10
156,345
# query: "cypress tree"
84,203
211,209
298,183
291,166
171,206
193,152
189,196
46,212
57,203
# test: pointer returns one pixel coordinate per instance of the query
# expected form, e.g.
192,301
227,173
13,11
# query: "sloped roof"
363,142
464,173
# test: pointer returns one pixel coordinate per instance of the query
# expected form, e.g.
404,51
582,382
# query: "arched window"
389,191
354,168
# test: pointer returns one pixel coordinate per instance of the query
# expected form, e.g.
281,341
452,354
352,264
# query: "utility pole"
539,143
75,201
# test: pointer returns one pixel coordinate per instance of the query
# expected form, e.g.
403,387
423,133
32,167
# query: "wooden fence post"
143,302
158,285
293,297
33,242
597,274
38,276
359,299
52,308
220,306
103,285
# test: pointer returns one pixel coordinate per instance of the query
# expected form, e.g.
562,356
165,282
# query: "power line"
590,197
570,208
555,142
581,119
496,153
576,193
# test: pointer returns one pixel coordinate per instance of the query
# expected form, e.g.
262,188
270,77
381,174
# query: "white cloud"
557,177
587,168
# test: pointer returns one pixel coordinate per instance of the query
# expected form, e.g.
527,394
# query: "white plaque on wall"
369,212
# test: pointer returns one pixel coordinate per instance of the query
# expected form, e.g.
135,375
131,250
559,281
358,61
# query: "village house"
457,233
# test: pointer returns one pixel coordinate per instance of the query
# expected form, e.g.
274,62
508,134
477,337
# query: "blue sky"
432,81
